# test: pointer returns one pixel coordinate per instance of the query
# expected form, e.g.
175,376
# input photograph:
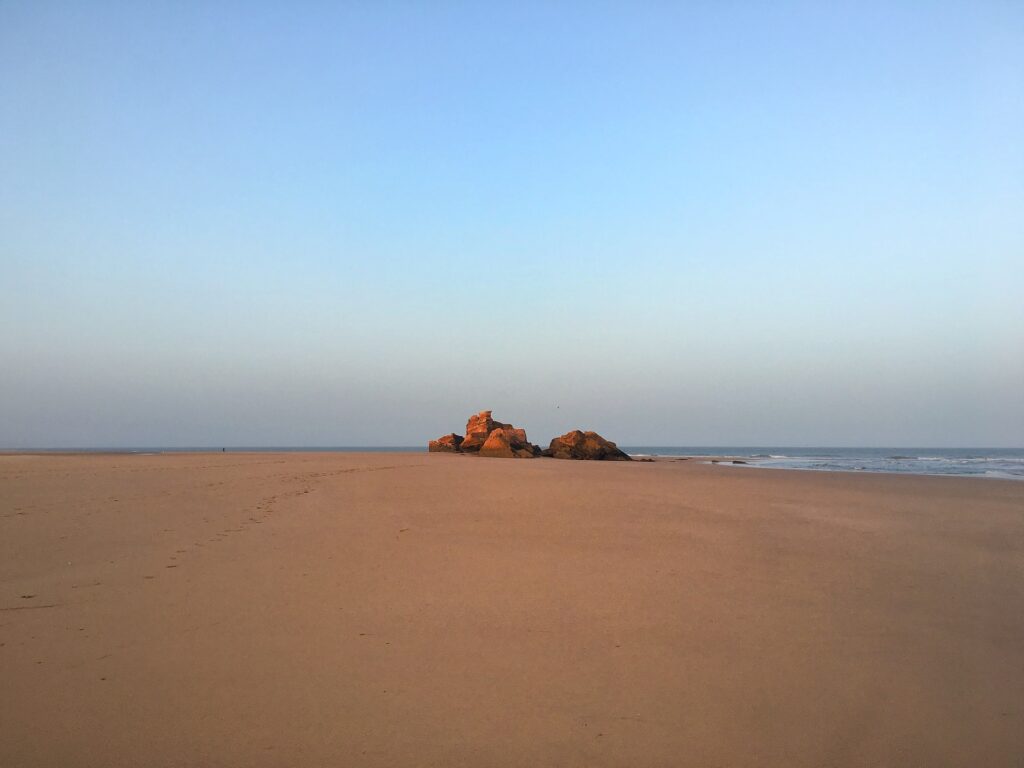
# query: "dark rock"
447,444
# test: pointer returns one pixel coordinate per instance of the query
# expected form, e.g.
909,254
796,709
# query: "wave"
1010,467
1002,474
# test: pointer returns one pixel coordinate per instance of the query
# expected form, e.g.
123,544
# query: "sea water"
976,462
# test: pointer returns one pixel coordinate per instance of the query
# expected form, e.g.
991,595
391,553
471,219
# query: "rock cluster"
487,437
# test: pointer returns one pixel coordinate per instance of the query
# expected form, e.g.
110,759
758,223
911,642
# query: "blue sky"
354,224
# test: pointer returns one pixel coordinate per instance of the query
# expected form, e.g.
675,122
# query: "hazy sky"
357,223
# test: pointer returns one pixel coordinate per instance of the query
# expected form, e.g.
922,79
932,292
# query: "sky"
252,224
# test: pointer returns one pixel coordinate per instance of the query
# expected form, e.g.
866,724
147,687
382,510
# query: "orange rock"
497,446
585,445
478,428
446,444
508,443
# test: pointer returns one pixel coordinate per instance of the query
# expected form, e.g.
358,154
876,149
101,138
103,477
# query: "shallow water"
978,462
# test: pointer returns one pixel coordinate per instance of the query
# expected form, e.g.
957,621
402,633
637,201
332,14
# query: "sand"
441,610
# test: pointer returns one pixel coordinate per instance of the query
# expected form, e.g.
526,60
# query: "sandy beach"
385,609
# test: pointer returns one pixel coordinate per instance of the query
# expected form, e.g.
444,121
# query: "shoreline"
756,461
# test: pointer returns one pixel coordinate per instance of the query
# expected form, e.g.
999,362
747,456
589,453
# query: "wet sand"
440,610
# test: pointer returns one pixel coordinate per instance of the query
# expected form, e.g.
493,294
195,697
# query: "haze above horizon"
713,224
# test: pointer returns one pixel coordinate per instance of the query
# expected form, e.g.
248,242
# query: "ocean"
1007,463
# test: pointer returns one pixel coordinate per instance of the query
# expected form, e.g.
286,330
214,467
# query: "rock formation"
487,437
585,445
446,444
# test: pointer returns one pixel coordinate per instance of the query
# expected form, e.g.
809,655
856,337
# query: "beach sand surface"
386,609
